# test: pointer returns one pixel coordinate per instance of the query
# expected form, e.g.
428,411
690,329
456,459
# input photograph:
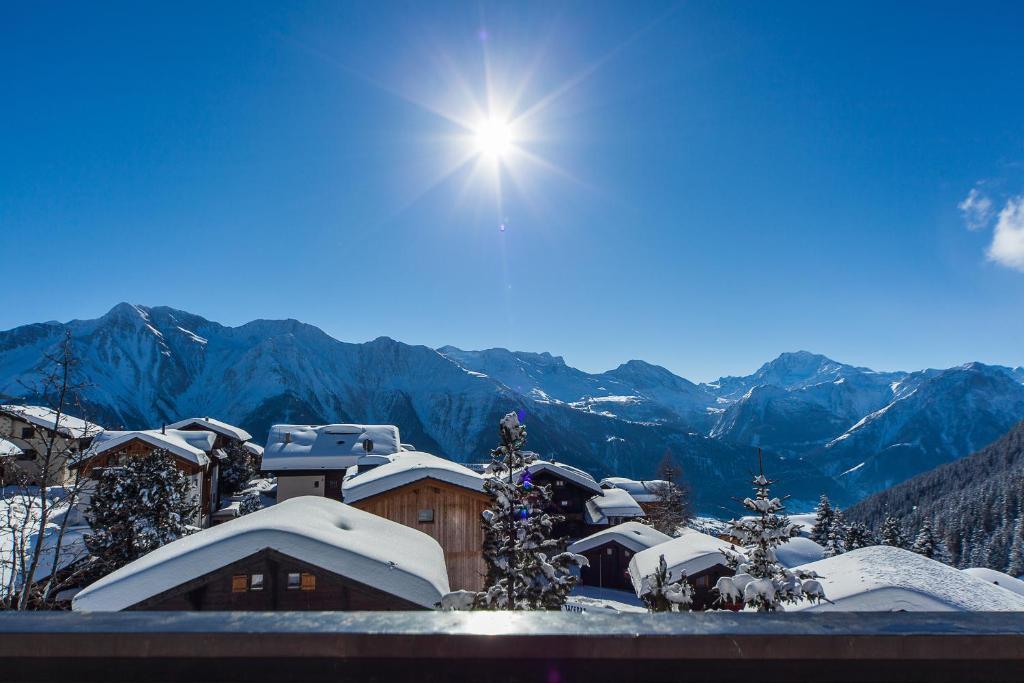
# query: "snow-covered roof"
642,491
691,552
222,428
883,578
339,538
327,447
799,550
194,446
633,535
566,472
253,448
404,468
7,448
613,503
998,578
74,427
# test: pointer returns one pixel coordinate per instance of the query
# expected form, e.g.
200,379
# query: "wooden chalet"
307,553
571,488
646,492
699,556
225,434
441,498
610,551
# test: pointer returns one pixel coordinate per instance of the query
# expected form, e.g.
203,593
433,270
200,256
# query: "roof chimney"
287,437
163,428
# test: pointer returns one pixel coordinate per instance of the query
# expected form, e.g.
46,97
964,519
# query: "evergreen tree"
835,539
858,536
824,520
137,507
1016,565
761,581
663,594
251,502
241,466
925,543
892,533
526,569
672,510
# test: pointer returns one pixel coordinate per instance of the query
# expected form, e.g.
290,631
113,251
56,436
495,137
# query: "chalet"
441,498
614,506
610,550
30,429
226,434
571,488
192,451
312,461
699,556
644,492
307,553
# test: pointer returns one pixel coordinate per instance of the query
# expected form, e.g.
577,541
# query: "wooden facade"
568,499
273,581
449,514
703,583
609,566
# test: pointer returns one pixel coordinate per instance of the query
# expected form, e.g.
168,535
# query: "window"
610,551
425,515
27,432
559,483
702,581
256,582
308,582
27,454
564,503
316,484
294,581
238,583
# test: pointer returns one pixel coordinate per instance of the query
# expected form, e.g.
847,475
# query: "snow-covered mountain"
816,418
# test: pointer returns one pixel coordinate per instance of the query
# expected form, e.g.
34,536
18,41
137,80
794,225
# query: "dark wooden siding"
608,567
569,500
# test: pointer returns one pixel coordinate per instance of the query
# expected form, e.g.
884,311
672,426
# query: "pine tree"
824,519
761,581
1016,564
526,569
892,533
925,543
240,467
858,536
662,593
251,502
672,509
137,507
835,539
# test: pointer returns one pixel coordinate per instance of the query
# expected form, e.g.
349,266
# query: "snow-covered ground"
591,599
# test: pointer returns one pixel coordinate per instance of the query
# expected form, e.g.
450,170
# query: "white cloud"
977,209
1007,246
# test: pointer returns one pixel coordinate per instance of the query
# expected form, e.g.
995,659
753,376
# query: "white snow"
16,533
691,552
40,416
885,579
326,447
612,503
560,470
642,491
405,468
253,448
188,445
7,448
797,551
336,537
633,535
998,578
193,336
210,424
853,469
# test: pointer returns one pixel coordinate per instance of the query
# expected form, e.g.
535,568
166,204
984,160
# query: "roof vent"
287,437
367,445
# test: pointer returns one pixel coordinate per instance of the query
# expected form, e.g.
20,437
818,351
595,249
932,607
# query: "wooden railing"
492,646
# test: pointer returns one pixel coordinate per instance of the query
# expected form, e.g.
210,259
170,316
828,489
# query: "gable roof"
325,447
613,503
883,578
70,426
691,552
194,447
997,578
222,428
643,491
8,449
336,537
404,468
632,535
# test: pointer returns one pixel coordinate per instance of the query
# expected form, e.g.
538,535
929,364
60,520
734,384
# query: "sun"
493,138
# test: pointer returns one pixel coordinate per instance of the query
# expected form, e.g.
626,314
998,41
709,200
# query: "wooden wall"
456,525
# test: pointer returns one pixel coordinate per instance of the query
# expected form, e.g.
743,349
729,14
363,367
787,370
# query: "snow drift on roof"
253,448
633,535
74,427
882,578
690,552
613,503
404,468
222,428
336,537
7,448
327,447
998,578
192,446
642,491
799,550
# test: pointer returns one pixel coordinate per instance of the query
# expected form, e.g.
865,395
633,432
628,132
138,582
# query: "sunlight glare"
493,138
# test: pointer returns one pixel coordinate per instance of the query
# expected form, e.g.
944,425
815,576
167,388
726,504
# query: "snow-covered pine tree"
1016,563
925,543
526,569
824,519
665,593
892,532
761,582
672,509
835,539
251,502
858,536
239,468
137,507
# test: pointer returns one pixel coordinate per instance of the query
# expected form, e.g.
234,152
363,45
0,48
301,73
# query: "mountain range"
824,426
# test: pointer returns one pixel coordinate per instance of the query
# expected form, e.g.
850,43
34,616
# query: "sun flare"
493,138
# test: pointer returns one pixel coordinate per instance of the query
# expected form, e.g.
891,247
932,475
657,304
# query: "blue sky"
702,185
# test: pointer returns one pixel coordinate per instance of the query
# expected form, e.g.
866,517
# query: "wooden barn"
441,498
571,488
697,555
610,551
613,507
307,553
